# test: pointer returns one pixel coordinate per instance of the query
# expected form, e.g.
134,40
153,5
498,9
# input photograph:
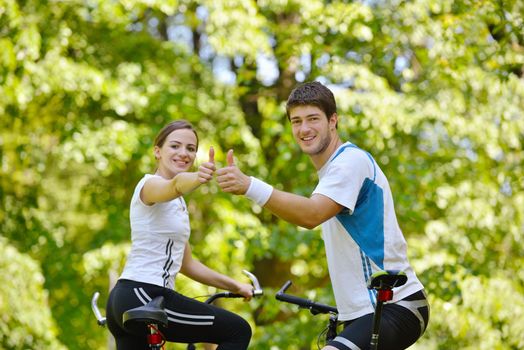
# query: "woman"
160,232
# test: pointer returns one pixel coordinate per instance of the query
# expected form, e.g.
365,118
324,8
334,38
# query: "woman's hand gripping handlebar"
257,290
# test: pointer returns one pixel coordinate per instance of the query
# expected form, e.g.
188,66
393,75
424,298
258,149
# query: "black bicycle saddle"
135,320
387,280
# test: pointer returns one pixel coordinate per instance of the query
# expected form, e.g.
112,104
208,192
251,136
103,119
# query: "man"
353,203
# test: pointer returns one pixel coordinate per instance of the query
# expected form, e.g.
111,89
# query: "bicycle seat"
135,320
387,280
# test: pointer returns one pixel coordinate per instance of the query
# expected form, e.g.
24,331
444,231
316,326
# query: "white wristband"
259,191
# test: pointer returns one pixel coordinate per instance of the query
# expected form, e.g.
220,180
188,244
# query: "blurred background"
433,89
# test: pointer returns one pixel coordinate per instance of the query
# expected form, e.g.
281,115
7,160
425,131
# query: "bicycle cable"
321,335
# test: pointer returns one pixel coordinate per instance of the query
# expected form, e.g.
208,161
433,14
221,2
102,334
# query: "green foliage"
26,321
433,89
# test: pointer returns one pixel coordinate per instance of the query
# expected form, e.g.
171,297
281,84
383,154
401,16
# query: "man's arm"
299,210
302,211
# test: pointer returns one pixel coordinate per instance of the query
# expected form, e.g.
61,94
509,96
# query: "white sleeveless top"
159,234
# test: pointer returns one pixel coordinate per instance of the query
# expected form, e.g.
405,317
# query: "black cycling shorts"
189,320
401,324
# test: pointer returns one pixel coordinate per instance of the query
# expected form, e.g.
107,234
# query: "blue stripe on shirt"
366,223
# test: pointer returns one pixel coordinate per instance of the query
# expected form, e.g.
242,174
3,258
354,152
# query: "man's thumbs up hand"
231,179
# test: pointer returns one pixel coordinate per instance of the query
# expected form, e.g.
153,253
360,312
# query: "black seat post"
383,282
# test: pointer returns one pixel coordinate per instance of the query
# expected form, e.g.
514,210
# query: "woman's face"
177,154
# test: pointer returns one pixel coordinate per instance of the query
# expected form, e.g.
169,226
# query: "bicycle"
153,315
381,281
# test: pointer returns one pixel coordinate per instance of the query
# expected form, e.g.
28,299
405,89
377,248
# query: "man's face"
312,129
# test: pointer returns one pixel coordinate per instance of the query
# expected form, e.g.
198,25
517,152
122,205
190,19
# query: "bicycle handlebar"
257,290
314,307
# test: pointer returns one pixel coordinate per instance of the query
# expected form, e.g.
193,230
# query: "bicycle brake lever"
257,290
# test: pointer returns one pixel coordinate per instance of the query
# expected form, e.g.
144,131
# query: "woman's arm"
199,272
157,189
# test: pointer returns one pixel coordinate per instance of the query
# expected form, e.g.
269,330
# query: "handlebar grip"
294,300
213,297
235,295
216,296
290,298
314,308
254,293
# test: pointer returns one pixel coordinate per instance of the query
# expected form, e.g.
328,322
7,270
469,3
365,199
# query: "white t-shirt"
159,234
365,236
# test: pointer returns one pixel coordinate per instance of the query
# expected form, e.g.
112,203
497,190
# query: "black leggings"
190,321
401,324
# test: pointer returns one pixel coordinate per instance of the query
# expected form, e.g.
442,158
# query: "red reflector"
154,339
385,295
